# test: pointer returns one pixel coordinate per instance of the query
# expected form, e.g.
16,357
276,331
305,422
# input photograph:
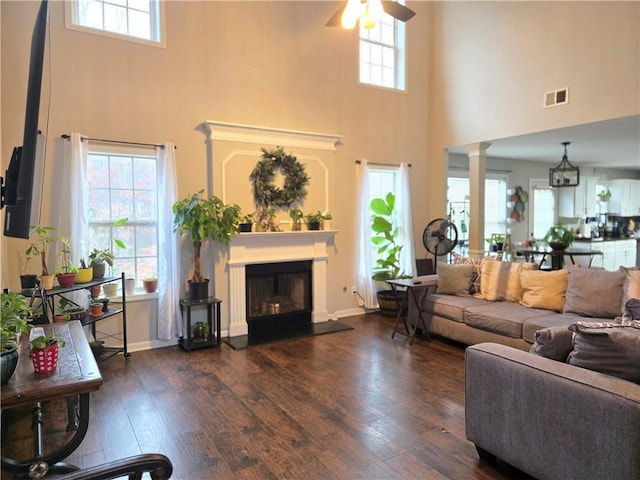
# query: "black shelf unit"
47,297
212,337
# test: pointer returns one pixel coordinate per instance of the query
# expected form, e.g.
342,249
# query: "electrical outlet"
353,290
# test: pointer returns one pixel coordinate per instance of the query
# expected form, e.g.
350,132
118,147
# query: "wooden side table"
201,335
414,285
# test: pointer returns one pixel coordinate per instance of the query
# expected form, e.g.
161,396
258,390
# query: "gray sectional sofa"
472,318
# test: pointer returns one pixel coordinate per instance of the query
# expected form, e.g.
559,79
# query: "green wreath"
268,195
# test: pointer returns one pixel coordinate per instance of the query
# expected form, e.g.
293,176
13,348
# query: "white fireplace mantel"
273,247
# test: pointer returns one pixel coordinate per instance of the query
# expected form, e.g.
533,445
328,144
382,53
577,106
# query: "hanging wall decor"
516,203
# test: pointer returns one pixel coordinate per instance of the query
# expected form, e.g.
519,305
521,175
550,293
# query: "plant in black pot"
387,252
201,219
559,237
27,280
15,316
246,223
100,258
314,220
40,249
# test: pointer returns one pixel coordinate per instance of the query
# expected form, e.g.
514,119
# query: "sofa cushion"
607,347
548,319
449,306
631,286
504,318
501,280
544,290
594,293
454,279
555,343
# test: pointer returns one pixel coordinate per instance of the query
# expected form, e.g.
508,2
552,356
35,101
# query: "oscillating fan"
439,238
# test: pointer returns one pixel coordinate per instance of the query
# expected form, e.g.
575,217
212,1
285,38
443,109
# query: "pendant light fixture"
565,174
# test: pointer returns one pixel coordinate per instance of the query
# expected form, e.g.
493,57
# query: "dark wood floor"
353,404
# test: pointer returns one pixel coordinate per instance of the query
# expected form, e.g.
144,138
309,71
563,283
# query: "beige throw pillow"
543,289
501,280
454,279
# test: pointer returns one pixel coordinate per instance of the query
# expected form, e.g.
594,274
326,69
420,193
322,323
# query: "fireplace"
254,250
279,296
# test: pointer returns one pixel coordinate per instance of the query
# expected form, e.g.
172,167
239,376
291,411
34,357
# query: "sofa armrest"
550,419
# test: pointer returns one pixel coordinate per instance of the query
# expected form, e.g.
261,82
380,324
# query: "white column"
477,176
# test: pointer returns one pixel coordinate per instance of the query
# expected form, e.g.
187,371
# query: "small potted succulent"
246,223
150,283
314,220
296,219
326,221
44,352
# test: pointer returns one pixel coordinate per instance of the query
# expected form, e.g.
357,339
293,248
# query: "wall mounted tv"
21,193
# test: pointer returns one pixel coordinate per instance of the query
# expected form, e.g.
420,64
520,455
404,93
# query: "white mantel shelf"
274,247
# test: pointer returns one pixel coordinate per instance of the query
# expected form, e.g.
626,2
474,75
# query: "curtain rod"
381,164
66,136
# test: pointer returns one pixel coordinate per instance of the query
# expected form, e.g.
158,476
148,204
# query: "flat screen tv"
24,175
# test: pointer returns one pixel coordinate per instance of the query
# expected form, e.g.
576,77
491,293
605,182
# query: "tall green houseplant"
385,239
200,219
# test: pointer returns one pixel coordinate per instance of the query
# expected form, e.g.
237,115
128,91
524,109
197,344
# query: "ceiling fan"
369,12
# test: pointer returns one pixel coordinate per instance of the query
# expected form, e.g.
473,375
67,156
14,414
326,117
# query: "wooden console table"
75,378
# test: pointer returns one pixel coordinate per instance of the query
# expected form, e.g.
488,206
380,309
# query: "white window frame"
156,24
130,253
398,46
383,169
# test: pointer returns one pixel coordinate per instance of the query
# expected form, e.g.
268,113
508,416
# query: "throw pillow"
555,343
631,287
458,259
607,347
454,279
544,290
594,293
501,280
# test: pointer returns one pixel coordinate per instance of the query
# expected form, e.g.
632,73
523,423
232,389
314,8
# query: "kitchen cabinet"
625,197
616,253
580,201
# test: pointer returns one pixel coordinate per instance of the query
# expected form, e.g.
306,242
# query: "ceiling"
607,144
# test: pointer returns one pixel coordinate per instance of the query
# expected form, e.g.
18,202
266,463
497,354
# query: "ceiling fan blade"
398,11
336,19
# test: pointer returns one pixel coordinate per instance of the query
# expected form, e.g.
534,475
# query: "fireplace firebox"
278,297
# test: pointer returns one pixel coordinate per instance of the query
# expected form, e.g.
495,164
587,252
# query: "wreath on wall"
265,193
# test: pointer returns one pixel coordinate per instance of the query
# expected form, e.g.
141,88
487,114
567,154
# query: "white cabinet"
616,253
580,201
625,197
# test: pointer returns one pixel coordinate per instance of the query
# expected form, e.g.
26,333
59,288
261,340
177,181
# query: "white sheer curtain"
405,220
365,262
169,319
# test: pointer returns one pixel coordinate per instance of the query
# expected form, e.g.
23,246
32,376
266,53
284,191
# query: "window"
543,207
382,53
134,19
382,180
124,185
495,200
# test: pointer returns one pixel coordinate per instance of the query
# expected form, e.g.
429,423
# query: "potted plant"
266,220
296,219
15,316
99,258
27,280
39,248
62,314
497,243
66,274
326,221
604,195
150,284
387,252
246,222
200,219
313,220
84,273
558,237
44,352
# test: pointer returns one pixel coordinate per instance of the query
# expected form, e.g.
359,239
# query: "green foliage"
559,233
46,341
314,217
296,214
99,256
15,316
40,247
200,219
265,193
65,254
384,239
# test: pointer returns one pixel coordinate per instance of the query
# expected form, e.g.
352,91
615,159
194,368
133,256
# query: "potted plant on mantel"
15,316
200,219
388,252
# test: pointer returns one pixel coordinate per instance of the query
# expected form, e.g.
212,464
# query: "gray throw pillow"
607,347
594,293
555,343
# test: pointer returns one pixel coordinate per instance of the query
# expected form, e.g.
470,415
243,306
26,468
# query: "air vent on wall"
556,97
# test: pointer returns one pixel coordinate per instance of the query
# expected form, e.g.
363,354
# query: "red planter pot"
150,286
45,360
66,279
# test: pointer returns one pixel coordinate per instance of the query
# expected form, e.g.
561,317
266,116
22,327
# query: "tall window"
382,56
495,200
125,186
543,207
137,19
